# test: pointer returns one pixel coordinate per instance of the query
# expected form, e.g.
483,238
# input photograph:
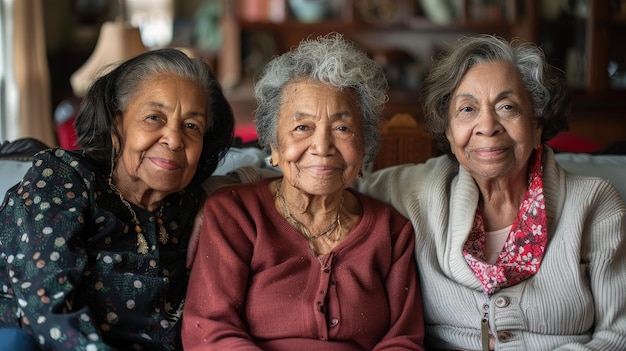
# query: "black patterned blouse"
70,271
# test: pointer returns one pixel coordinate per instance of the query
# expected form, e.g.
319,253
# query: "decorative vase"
310,10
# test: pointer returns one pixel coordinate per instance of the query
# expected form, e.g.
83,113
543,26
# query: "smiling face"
162,130
492,130
320,137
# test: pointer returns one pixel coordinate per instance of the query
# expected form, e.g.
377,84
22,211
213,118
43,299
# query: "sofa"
13,164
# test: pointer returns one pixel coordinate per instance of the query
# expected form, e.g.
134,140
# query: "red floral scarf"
524,248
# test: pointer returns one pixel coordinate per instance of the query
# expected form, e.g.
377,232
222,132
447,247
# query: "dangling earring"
361,173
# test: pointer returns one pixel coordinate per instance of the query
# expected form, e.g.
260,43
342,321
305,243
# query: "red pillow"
570,142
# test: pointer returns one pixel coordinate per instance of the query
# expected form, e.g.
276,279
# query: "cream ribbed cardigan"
577,300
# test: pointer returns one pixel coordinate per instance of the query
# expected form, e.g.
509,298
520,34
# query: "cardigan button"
321,307
333,322
502,301
504,336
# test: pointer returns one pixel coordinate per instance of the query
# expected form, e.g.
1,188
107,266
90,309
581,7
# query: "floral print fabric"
524,248
70,274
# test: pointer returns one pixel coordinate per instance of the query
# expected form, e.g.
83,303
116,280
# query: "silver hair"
331,60
545,84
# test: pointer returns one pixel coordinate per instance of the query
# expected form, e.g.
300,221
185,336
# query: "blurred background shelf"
584,38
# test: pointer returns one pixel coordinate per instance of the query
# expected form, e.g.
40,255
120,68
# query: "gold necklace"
163,235
142,244
301,227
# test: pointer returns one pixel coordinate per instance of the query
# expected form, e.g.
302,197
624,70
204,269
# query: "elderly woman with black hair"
514,252
93,243
301,262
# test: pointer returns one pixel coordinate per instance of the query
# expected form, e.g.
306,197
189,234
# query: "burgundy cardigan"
256,285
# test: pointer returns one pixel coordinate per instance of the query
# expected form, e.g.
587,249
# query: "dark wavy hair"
546,85
109,95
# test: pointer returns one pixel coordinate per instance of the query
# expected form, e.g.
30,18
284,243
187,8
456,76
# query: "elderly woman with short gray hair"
514,252
301,262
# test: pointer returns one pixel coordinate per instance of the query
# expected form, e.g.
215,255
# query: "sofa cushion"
15,159
240,157
11,172
609,167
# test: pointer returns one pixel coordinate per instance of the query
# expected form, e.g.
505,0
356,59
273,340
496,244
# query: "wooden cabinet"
586,41
405,34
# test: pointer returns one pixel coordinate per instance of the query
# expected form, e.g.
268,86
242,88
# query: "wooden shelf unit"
598,111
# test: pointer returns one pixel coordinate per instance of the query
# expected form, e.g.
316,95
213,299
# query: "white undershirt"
494,241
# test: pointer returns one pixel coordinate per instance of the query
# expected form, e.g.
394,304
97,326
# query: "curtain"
31,72
8,90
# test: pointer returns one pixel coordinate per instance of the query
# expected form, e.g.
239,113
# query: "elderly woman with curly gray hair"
301,262
513,252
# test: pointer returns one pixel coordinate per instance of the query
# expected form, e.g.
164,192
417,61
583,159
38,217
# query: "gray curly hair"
331,60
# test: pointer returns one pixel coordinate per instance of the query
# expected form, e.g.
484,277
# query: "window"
9,96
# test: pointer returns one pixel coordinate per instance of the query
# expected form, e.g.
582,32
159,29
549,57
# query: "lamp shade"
117,42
